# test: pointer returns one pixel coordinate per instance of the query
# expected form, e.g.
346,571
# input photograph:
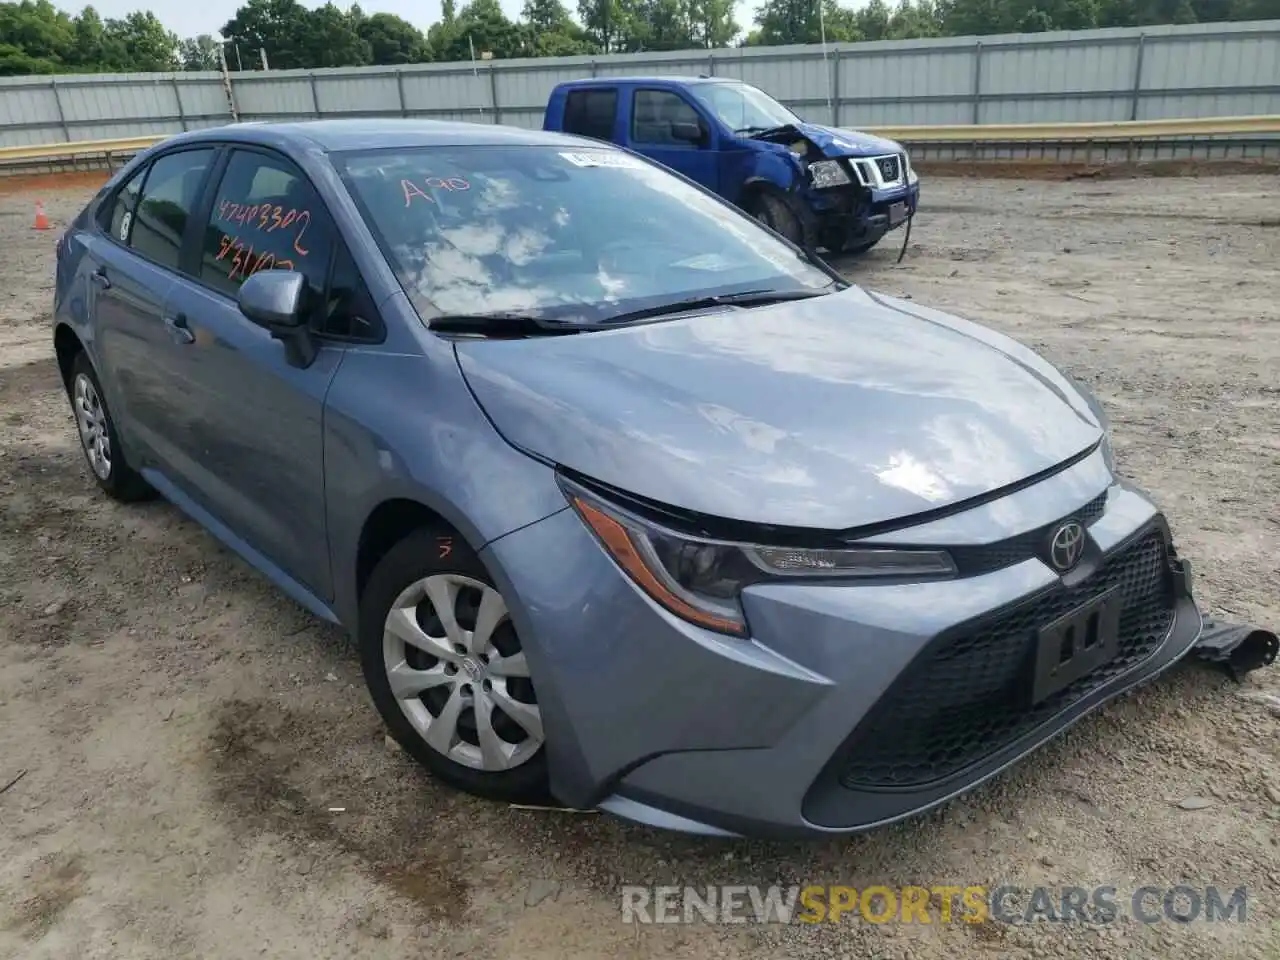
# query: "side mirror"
689,131
275,300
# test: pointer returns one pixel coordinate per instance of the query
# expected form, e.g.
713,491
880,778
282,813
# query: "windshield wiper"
506,325
745,298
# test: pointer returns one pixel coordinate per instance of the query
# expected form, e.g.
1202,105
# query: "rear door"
253,447
593,112
653,112
133,265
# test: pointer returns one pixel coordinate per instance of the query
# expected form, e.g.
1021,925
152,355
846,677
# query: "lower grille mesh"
969,696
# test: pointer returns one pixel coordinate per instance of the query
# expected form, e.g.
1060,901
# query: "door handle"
100,278
178,328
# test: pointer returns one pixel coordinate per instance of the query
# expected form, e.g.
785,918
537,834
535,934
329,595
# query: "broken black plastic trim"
1235,648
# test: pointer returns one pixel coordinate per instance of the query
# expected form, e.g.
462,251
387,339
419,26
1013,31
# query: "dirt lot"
186,732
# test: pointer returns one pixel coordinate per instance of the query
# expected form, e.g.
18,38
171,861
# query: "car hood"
837,412
835,142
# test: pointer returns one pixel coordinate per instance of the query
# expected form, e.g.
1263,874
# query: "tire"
773,212
840,245
99,441
440,726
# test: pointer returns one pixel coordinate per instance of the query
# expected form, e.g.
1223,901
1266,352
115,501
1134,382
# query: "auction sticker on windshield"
602,159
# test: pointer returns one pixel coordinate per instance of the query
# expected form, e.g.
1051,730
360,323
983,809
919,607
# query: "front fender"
402,425
775,168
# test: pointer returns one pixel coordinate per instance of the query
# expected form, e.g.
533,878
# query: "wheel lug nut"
488,685
450,669
459,649
466,689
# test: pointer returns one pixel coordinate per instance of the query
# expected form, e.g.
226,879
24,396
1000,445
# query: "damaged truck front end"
844,191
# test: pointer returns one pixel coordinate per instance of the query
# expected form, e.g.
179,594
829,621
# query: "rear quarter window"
591,113
115,215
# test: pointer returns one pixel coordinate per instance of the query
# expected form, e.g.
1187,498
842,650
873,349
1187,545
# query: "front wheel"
447,671
773,212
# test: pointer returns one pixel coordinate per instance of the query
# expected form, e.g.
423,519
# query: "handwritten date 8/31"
244,263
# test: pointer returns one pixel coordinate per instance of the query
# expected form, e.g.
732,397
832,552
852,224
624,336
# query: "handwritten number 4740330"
268,218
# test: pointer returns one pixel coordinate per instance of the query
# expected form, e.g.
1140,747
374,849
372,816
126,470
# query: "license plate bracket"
897,213
1077,643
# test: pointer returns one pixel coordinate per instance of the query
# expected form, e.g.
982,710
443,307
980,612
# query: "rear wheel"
773,212
447,671
98,437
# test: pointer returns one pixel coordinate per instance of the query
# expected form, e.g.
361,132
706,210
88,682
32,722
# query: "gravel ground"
186,732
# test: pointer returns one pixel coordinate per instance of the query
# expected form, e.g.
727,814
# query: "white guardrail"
1117,130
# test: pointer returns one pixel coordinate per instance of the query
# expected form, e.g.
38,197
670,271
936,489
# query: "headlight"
827,173
700,580
911,171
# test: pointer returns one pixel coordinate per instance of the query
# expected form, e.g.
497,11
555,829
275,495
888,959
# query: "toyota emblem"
1066,546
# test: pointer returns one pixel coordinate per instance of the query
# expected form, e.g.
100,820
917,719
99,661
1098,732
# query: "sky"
187,18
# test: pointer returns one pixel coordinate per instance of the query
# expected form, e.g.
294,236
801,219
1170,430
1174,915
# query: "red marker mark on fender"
446,546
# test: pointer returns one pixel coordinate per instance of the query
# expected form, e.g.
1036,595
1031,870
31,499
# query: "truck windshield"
576,234
743,108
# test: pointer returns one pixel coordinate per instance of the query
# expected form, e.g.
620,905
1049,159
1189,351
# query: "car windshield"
743,108
568,233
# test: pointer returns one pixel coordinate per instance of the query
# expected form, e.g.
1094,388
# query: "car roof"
355,133
674,80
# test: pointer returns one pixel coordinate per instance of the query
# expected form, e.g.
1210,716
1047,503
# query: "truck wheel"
773,212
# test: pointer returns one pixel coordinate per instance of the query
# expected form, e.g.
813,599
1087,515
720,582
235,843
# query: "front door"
253,425
655,115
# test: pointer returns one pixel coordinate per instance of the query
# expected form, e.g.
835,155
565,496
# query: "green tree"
89,32
139,42
331,38
277,26
609,23
549,31
14,62
802,21
711,23
392,40
199,53
483,24
37,29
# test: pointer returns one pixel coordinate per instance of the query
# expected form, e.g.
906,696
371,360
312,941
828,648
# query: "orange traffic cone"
42,220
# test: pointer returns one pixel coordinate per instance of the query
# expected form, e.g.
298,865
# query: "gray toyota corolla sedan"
629,503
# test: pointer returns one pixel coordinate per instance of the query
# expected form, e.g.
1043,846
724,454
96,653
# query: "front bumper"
831,718
858,212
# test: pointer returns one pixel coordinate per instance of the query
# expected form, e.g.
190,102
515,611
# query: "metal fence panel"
1223,69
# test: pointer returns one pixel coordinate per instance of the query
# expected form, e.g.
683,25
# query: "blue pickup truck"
817,186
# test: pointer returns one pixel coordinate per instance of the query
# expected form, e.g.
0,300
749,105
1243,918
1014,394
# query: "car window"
591,113
349,311
266,215
490,229
116,216
654,111
169,193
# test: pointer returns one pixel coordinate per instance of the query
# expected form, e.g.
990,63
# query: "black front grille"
972,561
969,695
889,168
